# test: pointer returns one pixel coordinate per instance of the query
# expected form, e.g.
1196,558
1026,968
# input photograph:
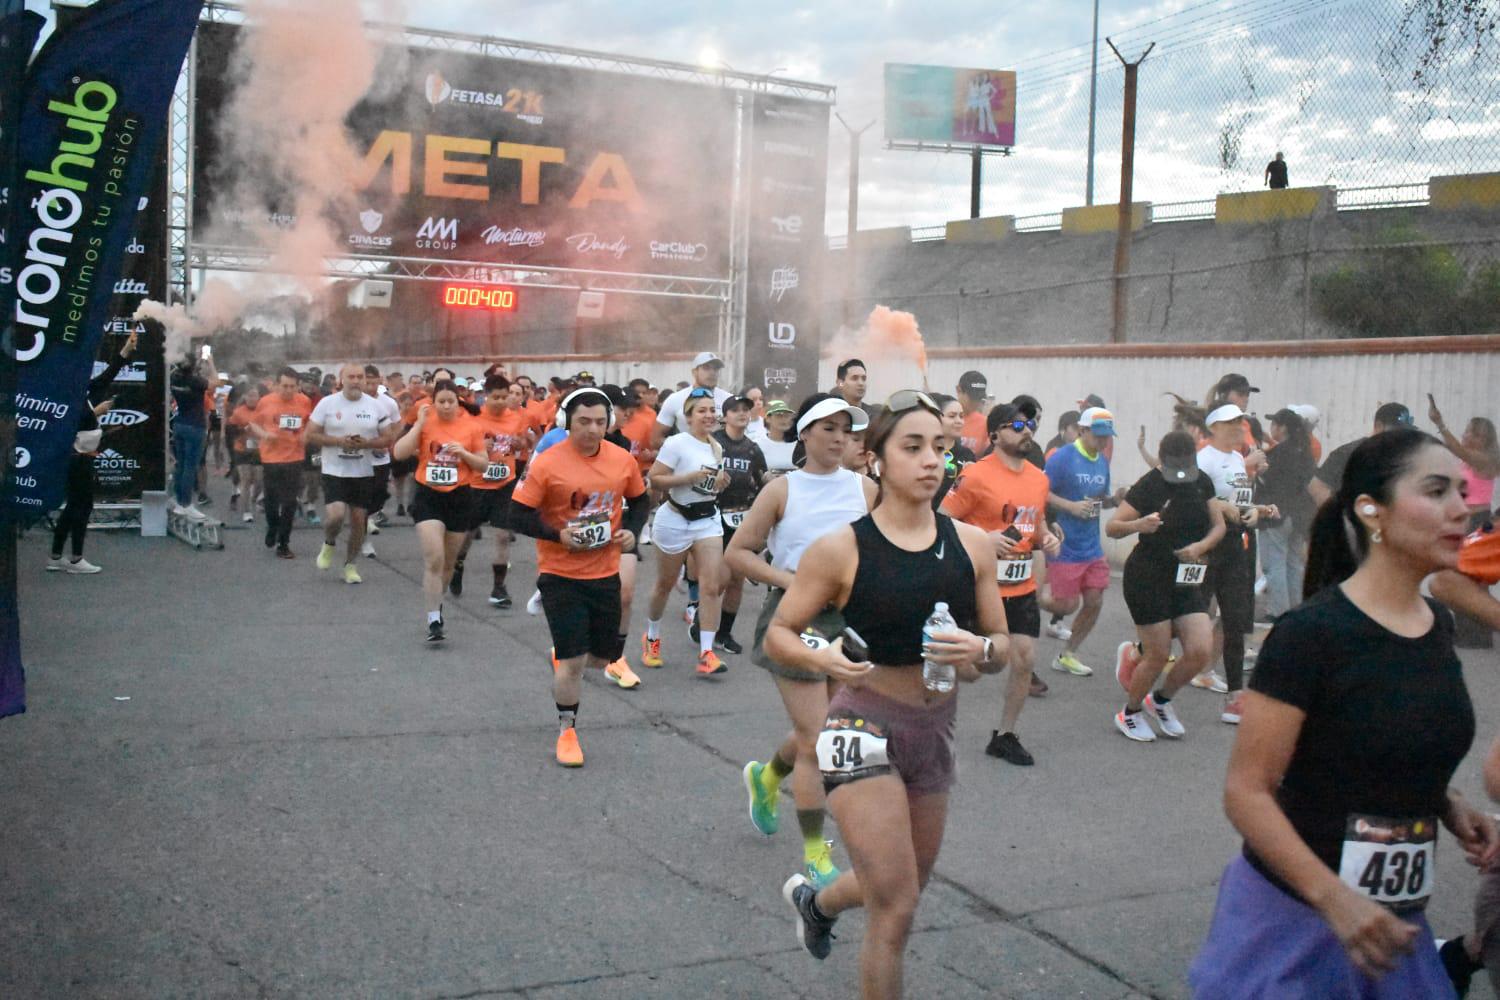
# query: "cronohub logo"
514,236
370,221
679,251
123,418
438,234
584,244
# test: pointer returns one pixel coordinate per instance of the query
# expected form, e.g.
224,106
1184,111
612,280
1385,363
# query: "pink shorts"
1068,579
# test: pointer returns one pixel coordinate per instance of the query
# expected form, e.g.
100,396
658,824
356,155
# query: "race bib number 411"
1014,570
1389,860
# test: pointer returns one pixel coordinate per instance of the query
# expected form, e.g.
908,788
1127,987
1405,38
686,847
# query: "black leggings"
74,520
281,481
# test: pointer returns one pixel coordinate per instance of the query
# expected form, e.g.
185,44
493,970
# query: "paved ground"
299,798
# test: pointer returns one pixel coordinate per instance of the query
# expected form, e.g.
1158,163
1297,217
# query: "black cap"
1092,399
1394,415
1234,382
973,383
735,402
1179,457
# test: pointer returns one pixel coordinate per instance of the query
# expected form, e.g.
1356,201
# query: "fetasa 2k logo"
438,234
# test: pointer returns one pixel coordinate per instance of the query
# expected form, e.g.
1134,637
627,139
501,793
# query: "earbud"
1368,510
875,469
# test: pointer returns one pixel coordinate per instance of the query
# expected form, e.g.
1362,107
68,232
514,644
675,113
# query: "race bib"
591,532
733,518
1191,574
1390,860
1014,570
496,472
441,475
708,485
352,453
813,640
377,456
290,422
1244,497
852,748
252,443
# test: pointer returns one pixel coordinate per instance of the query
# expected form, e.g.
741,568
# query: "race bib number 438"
1390,860
850,748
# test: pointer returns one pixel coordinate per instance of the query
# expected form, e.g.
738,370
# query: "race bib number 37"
1389,860
850,748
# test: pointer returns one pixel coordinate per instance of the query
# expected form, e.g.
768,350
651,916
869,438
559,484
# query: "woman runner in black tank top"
886,750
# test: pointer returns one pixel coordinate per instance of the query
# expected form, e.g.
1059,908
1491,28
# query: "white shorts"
672,533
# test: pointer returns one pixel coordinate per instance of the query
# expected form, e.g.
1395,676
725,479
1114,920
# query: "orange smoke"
890,344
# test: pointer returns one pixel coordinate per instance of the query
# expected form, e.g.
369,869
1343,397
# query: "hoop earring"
1375,536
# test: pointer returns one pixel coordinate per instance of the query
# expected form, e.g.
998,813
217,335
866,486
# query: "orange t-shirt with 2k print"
504,445
568,489
988,495
439,470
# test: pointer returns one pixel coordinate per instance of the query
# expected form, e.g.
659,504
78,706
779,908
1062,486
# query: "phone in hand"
1013,533
855,647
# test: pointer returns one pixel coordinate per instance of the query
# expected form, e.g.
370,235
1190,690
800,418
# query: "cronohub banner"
788,159
496,161
93,112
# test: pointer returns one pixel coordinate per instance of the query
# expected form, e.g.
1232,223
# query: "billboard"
492,160
946,104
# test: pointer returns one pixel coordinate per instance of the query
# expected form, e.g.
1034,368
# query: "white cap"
1226,412
707,358
858,418
1308,412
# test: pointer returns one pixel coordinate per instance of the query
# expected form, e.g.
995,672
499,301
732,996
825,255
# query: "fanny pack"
695,511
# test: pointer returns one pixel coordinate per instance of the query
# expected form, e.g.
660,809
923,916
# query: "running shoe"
1234,707
456,582
380,520
234,500
313,518
192,513
282,552
694,635
248,517
366,549
569,753
1058,630
351,575
82,567
1067,663
764,812
435,631
646,534
325,557
690,615
620,672
1134,726
709,664
1039,687
204,500
1008,748
728,643
1210,681
57,564
819,869
499,596
270,535
650,652
1165,716
534,603
814,931
371,527
1127,658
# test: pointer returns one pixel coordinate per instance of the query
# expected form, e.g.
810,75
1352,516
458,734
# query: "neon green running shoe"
763,804
325,556
820,869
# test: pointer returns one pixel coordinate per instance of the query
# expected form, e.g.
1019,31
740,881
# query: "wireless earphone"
1368,510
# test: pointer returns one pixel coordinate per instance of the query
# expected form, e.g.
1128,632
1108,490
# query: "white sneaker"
192,513
1166,717
534,603
56,564
1058,630
83,568
366,549
1134,726
249,518
1210,681
371,528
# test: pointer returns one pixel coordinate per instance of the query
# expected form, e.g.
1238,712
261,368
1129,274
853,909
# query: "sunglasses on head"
701,393
911,399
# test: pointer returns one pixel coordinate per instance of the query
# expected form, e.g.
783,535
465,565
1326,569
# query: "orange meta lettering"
452,168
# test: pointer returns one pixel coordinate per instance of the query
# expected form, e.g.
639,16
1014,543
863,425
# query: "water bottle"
938,677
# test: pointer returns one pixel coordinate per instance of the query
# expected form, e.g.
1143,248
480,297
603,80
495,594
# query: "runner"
380,459
1388,417
622,403
280,427
746,465
349,426
1357,720
670,417
973,390
244,449
957,455
790,514
1005,496
886,751
1179,520
583,501
690,468
312,477
853,382
779,441
1079,575
450,450
506,435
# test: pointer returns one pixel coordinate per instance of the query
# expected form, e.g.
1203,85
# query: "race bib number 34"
850,748
1390,860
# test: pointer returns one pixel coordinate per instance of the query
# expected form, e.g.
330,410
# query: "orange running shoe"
620,672
650,652
710,664
569,753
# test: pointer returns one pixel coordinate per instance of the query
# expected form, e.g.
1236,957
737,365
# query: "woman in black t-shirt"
1356,719
1174,510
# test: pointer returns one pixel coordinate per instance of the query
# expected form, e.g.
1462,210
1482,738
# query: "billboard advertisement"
788,170
491,160
947,104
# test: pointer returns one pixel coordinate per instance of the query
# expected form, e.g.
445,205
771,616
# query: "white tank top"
815,506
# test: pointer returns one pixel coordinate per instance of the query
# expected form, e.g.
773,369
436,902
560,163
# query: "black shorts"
492,507
356,491
244,457
1153,595
382,489
583,615
1231,579
455,508
402,467
1023,616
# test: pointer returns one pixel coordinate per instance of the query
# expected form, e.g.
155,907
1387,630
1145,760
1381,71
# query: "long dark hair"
1338,542
882,427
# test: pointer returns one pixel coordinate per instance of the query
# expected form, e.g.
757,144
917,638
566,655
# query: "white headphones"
562,409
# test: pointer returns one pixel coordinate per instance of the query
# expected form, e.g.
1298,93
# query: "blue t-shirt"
1075,476
549,439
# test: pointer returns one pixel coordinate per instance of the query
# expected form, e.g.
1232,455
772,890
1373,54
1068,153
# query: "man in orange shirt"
280,424
507,440
1006,496
636,421
584,501
973,390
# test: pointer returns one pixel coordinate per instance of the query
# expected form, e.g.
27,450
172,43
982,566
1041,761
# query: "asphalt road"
239,777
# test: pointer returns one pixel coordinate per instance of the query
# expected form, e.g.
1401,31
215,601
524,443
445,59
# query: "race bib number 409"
850,748
1389,860
496,472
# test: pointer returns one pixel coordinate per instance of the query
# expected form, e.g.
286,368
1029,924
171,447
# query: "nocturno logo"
514,236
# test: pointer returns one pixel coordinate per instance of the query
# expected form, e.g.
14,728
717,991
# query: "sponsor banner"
93,113
788,156
489,160
948,104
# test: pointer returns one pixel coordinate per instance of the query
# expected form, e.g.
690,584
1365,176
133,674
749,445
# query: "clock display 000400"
492,298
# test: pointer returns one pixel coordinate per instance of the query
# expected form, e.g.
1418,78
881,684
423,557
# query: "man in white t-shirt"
380,458
669,419
350,427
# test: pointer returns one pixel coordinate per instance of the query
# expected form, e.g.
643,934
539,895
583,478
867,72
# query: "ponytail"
1331,557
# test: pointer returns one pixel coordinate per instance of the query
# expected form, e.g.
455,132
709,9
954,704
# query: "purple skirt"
1265,943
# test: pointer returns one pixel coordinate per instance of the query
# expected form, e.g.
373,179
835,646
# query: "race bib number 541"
850,748
1389,860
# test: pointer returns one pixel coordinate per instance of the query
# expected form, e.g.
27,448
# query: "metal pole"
1088,191
1127,175
976,170
851,227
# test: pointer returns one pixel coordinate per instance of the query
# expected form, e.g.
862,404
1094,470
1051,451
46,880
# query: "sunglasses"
701,393
911,399
1021,425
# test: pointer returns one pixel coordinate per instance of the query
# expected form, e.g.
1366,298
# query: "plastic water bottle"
938,677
